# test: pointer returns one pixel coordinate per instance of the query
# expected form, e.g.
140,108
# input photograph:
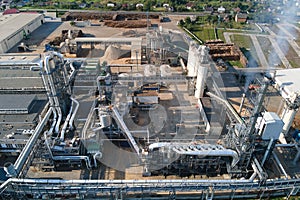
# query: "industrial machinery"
157,129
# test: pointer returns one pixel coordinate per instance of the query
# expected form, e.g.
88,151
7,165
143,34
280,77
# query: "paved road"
286,32
281,55
262,59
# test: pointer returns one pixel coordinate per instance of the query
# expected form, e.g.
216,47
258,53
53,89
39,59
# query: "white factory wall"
16,37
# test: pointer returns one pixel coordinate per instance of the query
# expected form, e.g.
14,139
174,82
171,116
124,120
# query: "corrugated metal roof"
12,23
11,101
289,80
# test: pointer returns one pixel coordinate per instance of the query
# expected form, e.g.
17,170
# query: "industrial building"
161,127
16,27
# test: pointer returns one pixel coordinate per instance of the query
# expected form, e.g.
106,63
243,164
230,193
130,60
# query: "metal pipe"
267,152
53,123
52,87
182,64
48,90
31,142
261,173
279,164
56,158
72,72
85,158
125,129
285,145
242,103
62,134
297,155
124,182
95,155
211,152
158,145
227,104
74,113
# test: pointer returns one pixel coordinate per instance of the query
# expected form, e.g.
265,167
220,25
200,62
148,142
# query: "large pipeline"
31,142
73,114
62,134
53,91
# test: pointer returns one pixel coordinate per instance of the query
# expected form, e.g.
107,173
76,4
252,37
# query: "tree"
147,5
188,20
181,23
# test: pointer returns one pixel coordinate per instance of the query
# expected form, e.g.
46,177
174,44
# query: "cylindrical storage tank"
165,70
149,70
9,168
200,82
193,61
105,120
288,116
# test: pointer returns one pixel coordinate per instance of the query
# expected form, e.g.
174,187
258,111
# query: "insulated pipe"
158,145
121,122
62,135
59,120
242,103
124,182
72,72
228,105
53,123
86,158
182,64
57,105
31,142
50,100
210,152
95,155
74,113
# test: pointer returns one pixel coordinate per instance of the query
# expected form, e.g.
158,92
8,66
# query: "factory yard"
147,111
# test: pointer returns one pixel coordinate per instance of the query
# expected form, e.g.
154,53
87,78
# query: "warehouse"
16,27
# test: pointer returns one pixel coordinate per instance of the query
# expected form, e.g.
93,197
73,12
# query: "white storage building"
14,26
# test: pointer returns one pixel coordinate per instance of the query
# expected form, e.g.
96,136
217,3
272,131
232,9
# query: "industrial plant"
150,117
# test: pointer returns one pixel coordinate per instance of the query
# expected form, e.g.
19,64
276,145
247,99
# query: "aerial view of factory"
131,106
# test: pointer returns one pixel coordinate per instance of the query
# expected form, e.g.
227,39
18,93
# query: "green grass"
221,34
242,41
203,32
245,44
236,64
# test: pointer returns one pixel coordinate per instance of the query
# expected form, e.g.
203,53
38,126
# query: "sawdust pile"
112,53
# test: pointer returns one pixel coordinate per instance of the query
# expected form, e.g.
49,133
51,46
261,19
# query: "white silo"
200,83
193,58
